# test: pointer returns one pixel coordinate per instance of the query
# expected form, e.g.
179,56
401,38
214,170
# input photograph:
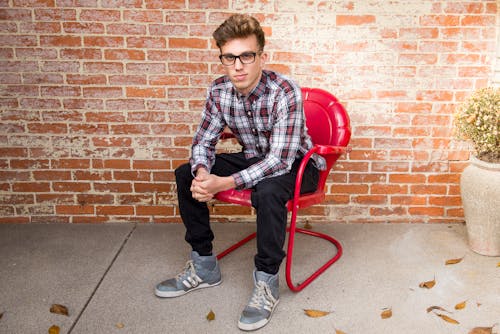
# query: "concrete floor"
105,275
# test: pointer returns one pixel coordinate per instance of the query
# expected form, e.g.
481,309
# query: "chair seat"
243,197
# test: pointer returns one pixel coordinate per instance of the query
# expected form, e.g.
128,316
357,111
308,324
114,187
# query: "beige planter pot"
480,190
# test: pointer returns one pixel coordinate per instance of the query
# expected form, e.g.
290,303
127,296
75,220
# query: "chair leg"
320,270
291,241
236,245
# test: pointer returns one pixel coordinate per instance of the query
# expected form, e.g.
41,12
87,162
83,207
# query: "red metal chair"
329,127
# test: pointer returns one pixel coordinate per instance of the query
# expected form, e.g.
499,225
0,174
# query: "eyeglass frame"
254,54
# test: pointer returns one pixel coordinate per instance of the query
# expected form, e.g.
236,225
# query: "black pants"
269,198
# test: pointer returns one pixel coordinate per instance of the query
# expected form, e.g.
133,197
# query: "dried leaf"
461,306
338,331
428,284
386,313
454,261
120,325
447,319
1,315
54,329
211,316
308,226
59,309
432,308
316,313
481,330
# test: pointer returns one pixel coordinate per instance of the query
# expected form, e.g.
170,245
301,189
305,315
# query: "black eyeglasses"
245,58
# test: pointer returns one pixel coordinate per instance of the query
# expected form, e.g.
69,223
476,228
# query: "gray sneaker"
264,299
200,272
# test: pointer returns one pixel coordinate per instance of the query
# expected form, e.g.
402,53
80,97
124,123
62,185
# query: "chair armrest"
329,149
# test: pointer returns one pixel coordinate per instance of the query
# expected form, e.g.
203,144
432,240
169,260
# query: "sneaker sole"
171,294
259,324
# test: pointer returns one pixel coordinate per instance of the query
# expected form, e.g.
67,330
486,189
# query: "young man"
264,111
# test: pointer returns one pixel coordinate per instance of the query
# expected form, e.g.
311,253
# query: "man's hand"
205,185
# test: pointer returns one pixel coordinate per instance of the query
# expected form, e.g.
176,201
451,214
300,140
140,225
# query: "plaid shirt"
269,124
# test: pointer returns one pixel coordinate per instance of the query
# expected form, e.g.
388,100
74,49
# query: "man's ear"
263,58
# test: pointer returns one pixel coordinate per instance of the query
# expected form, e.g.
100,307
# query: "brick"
126,29
91,104
154,210
149,16
104,92
76,187
15,14
30,187
51,175
84,53
131,175
144,199
122,3
140,187
100,15
408,200
356,20
427,211
74,210
103,41
145,68
115,210
145,92
440,20
113,187
83,79
146,42
189,43
83,28
150,117
124,54
18,40
129,129
151,164
70,41
92,175
55,14
101,67
128,80
55,128
475,20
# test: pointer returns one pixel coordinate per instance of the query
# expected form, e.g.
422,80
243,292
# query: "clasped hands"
206,185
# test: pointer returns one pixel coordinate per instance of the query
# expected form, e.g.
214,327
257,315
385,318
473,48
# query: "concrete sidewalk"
105,275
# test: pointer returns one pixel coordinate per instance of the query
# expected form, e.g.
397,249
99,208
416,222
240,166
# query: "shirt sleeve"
284,142
207,135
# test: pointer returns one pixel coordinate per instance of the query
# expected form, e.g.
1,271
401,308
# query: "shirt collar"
258,91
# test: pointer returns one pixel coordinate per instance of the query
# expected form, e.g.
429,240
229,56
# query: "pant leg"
195,214
269,199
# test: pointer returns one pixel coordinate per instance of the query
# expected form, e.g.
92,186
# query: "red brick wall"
99,100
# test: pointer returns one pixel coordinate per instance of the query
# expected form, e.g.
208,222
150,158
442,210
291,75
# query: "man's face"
244,77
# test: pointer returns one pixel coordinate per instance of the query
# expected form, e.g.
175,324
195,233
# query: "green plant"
478,121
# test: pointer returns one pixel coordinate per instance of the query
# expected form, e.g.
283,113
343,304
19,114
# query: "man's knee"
183,173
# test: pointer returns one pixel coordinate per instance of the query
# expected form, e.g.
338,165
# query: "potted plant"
477,121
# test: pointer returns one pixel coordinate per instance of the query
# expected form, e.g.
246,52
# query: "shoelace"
262,297
189,277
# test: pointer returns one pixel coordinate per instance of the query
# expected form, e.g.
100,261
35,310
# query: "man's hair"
239,26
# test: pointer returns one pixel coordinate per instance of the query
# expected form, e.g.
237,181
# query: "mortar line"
124,242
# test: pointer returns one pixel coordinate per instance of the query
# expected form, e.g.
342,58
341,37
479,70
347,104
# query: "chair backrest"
327,123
